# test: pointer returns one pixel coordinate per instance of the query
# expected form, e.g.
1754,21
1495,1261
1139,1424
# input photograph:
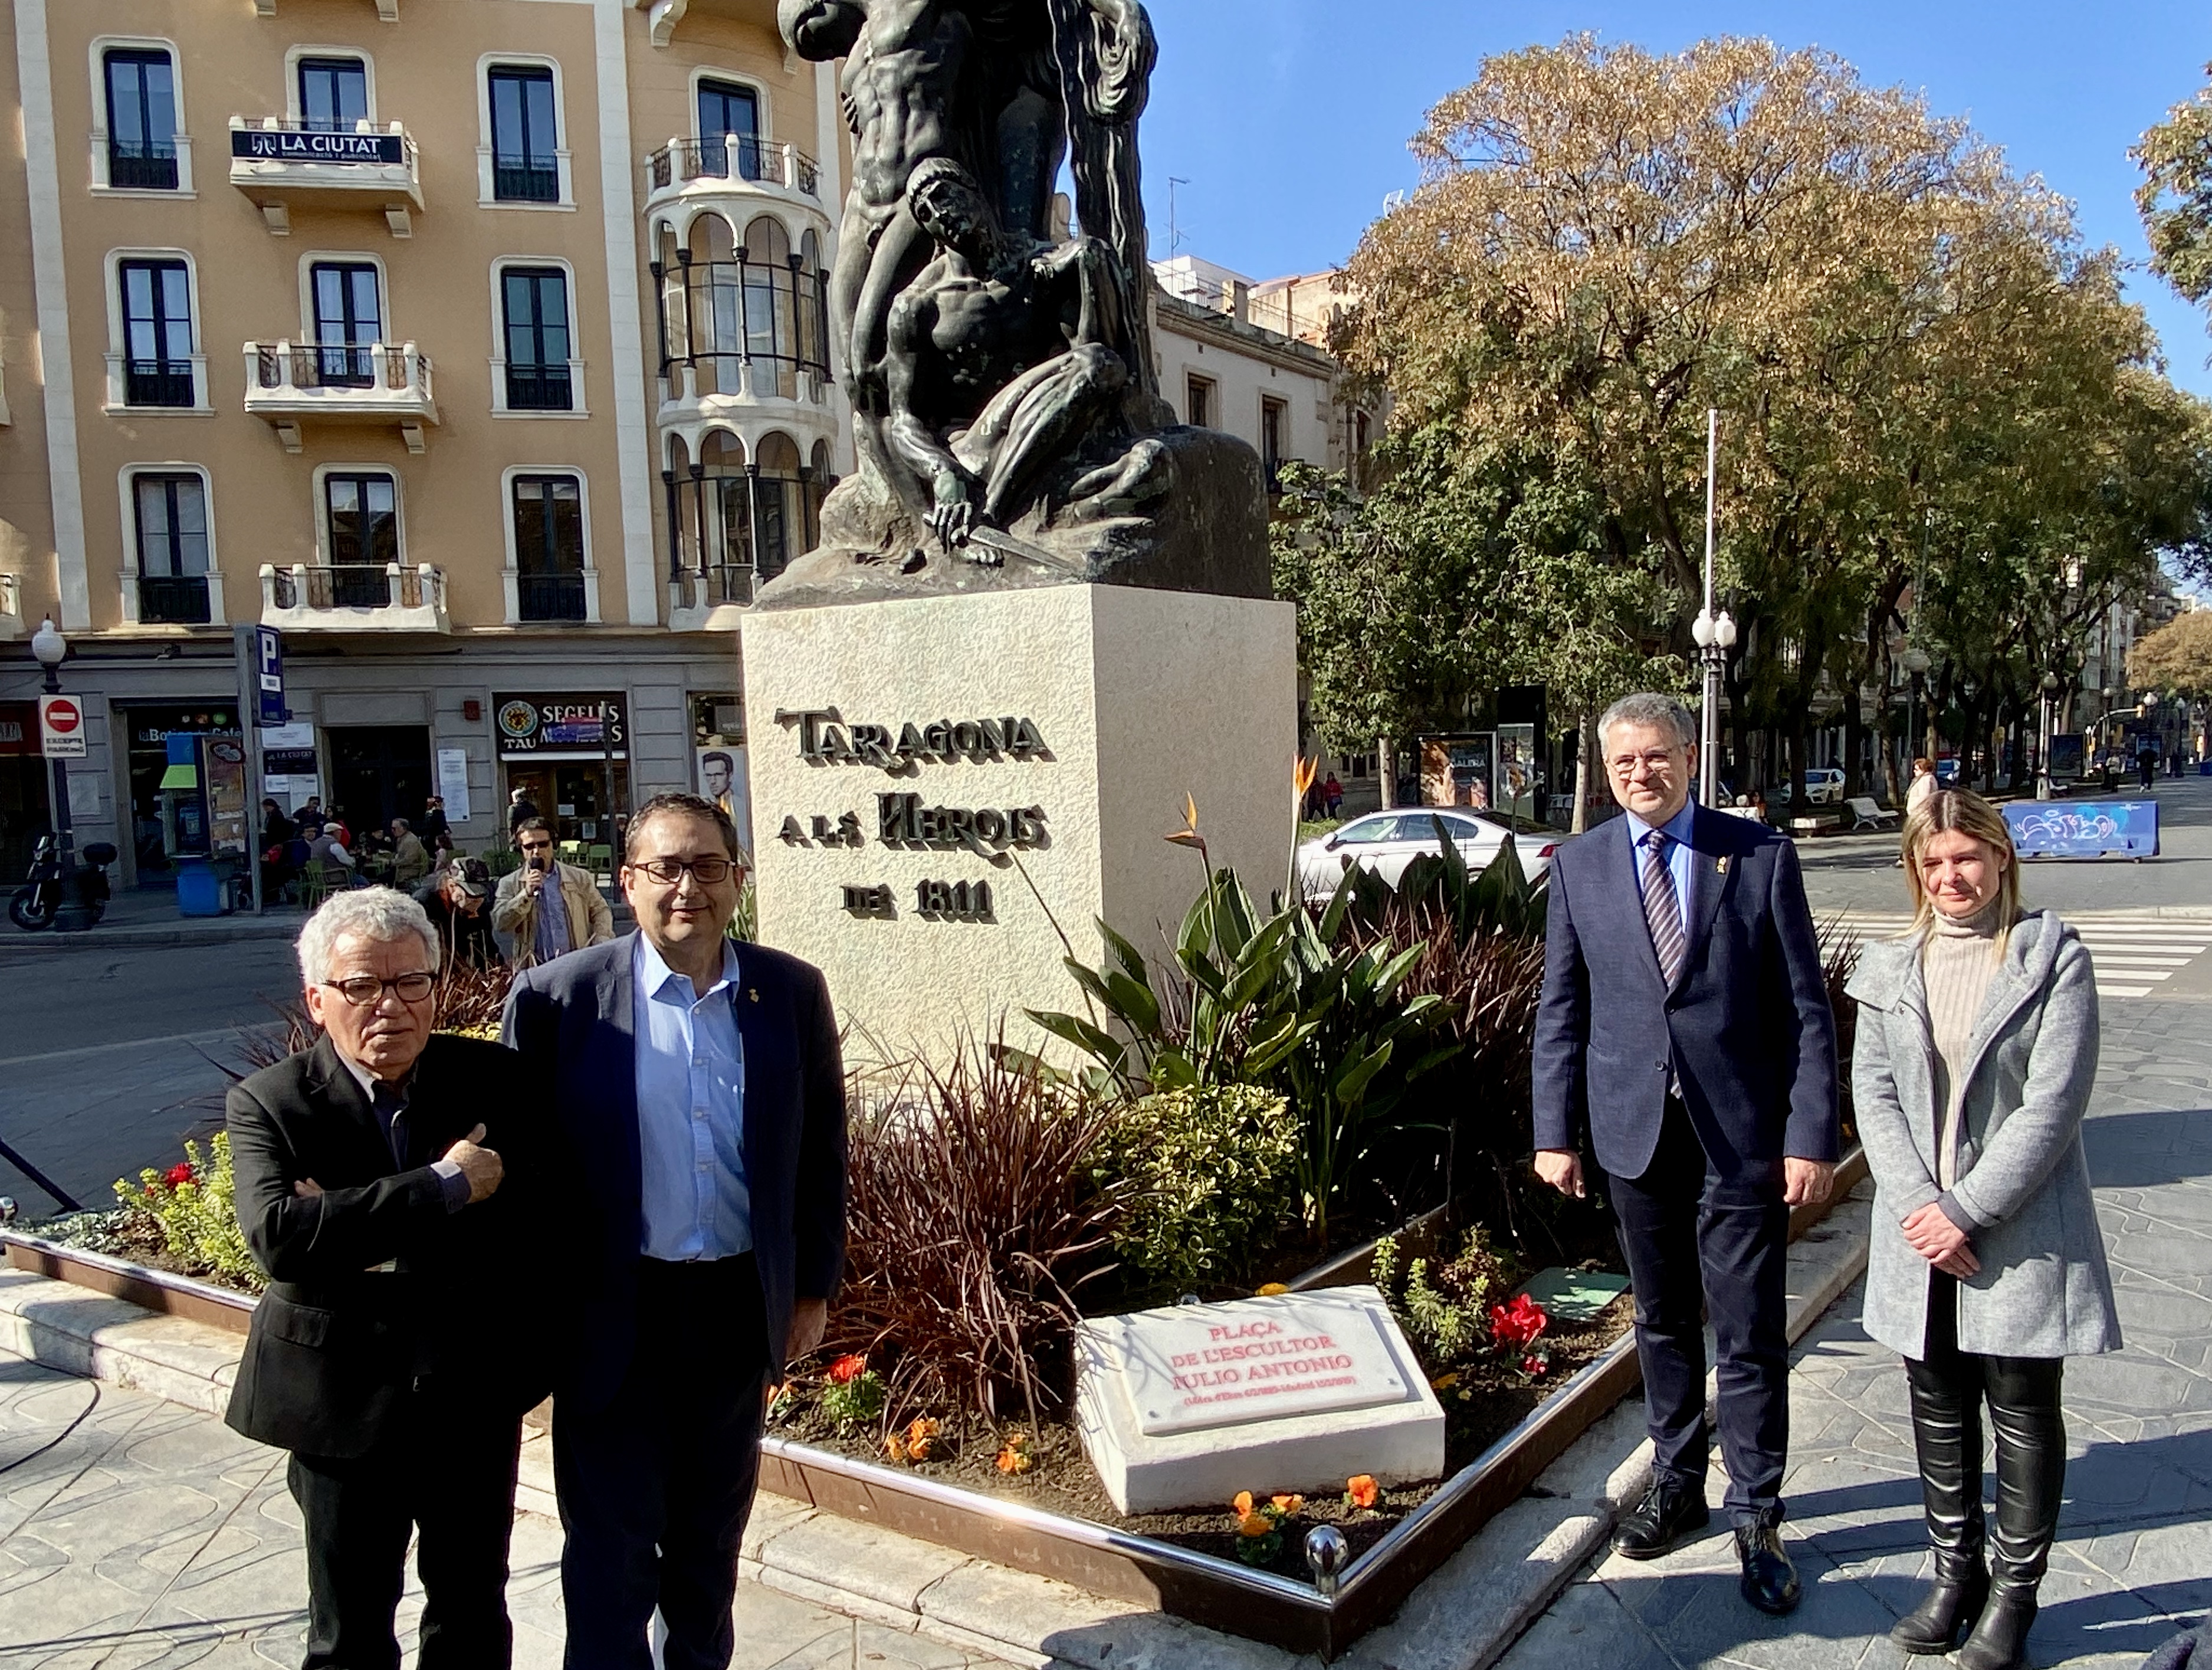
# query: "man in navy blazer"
699,1085
1684,1027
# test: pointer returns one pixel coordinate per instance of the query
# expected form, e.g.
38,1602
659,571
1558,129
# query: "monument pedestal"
942,786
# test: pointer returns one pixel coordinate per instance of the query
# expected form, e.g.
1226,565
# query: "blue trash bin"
199,889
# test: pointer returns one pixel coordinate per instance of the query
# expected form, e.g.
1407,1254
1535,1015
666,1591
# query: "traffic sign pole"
249,651
61,738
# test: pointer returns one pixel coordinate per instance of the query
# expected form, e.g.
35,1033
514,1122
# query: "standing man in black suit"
701,1085
1684,1029
396,1206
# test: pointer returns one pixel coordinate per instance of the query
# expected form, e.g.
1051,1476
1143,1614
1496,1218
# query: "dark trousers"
443,1468
1698,1244
656,1485
1949,1388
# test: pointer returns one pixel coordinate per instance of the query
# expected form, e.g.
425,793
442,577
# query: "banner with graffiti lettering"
2084,828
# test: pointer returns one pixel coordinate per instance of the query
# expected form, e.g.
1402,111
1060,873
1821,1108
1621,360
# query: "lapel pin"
1720,864
752,993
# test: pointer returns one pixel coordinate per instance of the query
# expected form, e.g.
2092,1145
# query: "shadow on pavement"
2148,1149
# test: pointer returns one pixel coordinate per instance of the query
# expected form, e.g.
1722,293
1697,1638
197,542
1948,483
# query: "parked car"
1386,841
1824,786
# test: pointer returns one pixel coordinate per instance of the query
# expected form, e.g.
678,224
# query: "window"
333,94
535,302
142,119
549,547
362,518
729,129
348,321
172,549
1200,403
157,333
1275,418
524,167
779,513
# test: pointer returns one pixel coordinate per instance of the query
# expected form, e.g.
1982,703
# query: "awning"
181,776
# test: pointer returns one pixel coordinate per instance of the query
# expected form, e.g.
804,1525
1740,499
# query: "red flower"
1535,1364
179,1175
1518,1324
847,1368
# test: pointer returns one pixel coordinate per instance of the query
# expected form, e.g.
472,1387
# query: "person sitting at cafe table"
545,921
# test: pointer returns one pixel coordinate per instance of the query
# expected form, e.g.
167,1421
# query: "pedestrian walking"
520,808
398,1208
700,1083
1333,794
548,909
434,828
1976,1052
1923,785
1684,1029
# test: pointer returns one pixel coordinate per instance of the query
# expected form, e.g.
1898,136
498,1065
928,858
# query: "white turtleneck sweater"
1957,959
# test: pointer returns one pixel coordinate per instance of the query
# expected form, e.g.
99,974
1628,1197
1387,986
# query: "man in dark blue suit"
699,1085
1684,1027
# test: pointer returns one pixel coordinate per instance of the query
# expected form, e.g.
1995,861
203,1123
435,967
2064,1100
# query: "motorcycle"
48,899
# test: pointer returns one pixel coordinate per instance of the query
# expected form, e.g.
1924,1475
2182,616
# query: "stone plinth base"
942,787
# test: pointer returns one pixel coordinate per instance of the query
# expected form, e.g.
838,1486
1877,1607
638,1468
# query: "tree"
2175,198
2176,659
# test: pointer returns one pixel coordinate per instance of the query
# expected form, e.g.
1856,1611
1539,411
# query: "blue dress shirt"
552,935
1677,831
690,1111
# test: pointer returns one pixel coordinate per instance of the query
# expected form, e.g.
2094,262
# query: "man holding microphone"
547,908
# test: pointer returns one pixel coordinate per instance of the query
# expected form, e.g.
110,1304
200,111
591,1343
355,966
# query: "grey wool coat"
2023,1189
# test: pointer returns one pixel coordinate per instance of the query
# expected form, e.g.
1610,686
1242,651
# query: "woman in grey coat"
1977,1047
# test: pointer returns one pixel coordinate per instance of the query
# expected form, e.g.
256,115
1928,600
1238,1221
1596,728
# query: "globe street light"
1716,636
50,647
1915,663
2042,746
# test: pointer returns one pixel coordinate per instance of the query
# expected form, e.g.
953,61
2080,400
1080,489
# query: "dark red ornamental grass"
972,1224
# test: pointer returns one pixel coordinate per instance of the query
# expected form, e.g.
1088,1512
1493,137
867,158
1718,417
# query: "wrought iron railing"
539,388
549,596
158,383
727,314
526,182
715,585
734,156
146,164
174,600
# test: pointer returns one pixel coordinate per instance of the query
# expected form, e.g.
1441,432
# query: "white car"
1386,841
1824,786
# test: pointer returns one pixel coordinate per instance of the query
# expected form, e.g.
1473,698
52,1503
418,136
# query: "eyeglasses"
708,873
361,990
536,846
1654,763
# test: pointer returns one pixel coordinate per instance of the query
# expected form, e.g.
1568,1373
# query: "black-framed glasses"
708,873
361,990
536,846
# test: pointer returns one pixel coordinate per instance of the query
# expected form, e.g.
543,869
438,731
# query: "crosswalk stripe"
2133,954
2104,991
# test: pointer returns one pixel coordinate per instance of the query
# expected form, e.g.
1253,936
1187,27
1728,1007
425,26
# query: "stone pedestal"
912,759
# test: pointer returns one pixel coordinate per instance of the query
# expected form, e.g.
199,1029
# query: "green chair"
599,860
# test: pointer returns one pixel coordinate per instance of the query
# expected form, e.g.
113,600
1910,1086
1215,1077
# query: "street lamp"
1915,663
50,647
2042,746
1716,636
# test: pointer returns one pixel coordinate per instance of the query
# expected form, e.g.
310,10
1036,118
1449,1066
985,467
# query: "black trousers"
655,1486
1699,1244
442,1467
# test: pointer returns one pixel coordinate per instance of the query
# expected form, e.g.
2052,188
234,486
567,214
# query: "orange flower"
847,1368
1242,1503
1255,1525
1360,1489
1288,1505
922,1439
1272,1290
1016,1457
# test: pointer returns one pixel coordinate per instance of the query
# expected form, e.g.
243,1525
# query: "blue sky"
1289,117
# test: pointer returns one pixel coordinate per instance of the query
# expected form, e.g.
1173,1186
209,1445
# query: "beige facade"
476,345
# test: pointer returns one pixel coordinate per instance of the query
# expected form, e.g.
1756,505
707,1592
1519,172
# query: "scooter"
48,899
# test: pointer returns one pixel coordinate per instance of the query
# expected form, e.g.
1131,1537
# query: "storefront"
718,750
26,780
568,751
146,729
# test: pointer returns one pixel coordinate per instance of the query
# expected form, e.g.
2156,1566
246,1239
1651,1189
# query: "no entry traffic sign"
61,727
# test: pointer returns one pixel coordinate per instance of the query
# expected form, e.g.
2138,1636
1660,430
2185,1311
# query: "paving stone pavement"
2134,1561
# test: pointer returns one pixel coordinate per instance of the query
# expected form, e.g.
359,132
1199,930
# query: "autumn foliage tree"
2176,659
2176,196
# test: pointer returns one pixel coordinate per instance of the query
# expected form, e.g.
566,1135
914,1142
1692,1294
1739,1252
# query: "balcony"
170,599
291,383
662,16
11,608
710,599
282,166
386,9
746,338
733,165
354,597
550,599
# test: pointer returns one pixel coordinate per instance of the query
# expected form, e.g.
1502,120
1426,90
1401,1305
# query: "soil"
1485,1402
124,1235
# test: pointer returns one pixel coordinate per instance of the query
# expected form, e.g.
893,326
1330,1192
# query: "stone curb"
32,946
1463,1618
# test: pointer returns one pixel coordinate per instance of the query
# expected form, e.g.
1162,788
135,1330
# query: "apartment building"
479,346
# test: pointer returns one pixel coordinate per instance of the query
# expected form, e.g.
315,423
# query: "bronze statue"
1005,410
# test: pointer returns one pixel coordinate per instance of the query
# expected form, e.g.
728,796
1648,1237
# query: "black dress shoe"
2000,1638
1770,1581
1952,1604
1669,1516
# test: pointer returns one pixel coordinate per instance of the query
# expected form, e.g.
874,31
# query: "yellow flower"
1270,1290
1255,1525
1288,1505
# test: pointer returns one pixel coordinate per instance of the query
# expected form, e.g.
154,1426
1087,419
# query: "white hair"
1651,708
375,913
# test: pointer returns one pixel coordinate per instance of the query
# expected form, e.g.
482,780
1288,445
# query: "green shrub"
1445,1308
194,1206
1212,1168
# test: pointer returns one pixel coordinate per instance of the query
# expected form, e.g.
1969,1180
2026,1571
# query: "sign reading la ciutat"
908,820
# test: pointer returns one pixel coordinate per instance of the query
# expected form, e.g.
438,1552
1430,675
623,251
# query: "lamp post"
2043,742
1914,662
50,647
1715,633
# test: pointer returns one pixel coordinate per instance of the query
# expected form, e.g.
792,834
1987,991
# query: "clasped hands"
482,1166
1804,1182
1930,1233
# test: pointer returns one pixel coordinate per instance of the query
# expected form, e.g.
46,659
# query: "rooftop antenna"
1174,227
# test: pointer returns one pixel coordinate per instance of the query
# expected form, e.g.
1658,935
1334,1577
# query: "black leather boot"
2031,1436
1946,1434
